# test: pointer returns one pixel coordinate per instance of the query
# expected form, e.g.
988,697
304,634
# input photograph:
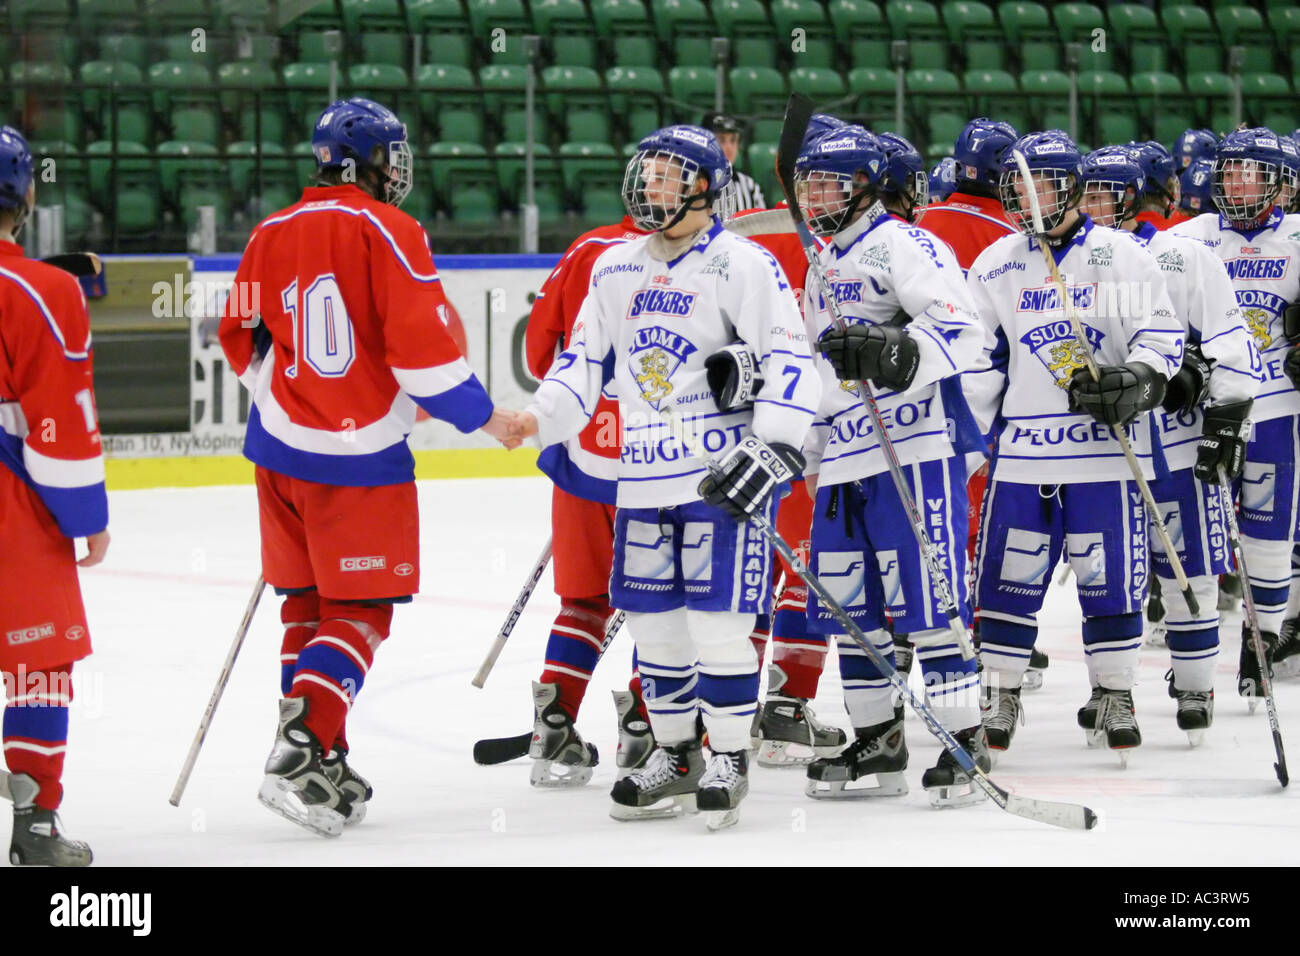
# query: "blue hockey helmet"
1248,173
905,174
943,179
1054,161
1195,192
370,135
826,176
820,123
978,152
659,182
15,174
1192,144
1113,184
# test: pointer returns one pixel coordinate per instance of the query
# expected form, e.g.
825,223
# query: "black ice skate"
1038,662
296,784
561,758
1286,653
38,838
1004,714
949,785
1248,674
664,787
1116,721
791,735
724,784
636,741
1195,710
358,789
1087,718
878,751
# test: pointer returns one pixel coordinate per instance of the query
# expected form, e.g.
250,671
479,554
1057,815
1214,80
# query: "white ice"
164,608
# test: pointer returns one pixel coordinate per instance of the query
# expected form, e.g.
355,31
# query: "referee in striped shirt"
742,192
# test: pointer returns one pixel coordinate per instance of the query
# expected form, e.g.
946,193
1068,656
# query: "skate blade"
1195,738
1033,680
887,785
1094,738
1123,757
958,795
666,809
550,775
282,797
717,820
1252,703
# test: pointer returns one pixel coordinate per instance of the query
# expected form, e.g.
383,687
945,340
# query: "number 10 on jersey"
326,332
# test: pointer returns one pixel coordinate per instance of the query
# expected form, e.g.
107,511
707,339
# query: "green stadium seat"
303,160
241,164
194,162
503,86
745,24
469,161
1190,31
360,16
1047,94
1139,36
694,84
1284,21
181,82
862,32
306,87
43,106
1155,91
180,46
450,103
390,47
128,168
942,129
1210,94
39,15
499,27
95,16
636,94
875,89
131,47
378,81
570,30
452,48
917,23
196,124
1170,123
321,46
627,32
70,187
132,105
548,185
248,89
818,43
935,90
179,14
973,29
685,29
425,15
1240,24
820,85
1084,25
757,89
1029,30
761,157
991,92
1266,94
445,26
590,169
321,15
577,102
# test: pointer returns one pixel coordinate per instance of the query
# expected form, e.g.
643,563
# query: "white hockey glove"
750,473
734,377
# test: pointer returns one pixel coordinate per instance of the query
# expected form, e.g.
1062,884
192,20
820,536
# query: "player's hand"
97,545
524,426
501,426
884,355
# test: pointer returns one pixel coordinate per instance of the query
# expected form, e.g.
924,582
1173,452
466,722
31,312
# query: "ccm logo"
404,569
75,633
26,635
363,564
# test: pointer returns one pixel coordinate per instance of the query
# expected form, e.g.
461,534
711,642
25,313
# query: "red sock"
575,646
333,666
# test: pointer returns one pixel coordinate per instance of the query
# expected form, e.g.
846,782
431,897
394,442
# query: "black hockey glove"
884,355
1290,323
734,378
1190,385
1122,394
750,473
1291,365
1223,441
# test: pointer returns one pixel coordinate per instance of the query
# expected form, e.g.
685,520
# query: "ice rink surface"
164,607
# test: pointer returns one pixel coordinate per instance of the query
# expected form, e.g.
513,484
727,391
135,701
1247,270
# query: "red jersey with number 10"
349,341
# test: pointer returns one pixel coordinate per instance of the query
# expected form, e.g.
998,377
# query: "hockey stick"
794,128
222,679
495,750
1071,816
1257,641
1067,307
513,617
79,264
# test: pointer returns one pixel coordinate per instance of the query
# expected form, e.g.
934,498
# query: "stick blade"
497,750
798,111
1068,816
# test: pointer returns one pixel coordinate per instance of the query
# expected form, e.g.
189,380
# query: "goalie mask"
1053,162
659,183
1248,174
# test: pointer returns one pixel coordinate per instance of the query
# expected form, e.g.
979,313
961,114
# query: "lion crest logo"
1257,323
656,354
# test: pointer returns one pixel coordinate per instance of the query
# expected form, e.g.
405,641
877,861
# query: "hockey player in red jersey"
584,470
51,492
343,343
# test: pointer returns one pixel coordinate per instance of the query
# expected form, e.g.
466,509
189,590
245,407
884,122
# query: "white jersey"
1119,295
876,267
1264,265
649,326
1206,308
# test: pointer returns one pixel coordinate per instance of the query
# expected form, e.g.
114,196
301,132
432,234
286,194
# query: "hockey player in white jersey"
1260,245
1220,374
911,330
1058,478
691,574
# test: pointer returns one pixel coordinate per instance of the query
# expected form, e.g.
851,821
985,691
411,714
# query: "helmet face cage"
1244,189
656,188
400,172
1057,194
826,198
1108,201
